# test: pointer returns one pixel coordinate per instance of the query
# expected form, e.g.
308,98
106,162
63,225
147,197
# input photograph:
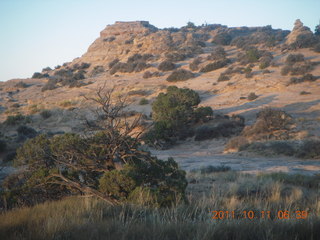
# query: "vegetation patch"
180,75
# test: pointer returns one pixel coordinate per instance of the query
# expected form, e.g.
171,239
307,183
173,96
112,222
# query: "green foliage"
203,114
35,153
17,119
175,106
173,113
143,101
118,183
253,55
82,159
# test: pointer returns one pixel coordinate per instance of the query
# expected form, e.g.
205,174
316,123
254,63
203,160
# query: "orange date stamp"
253,215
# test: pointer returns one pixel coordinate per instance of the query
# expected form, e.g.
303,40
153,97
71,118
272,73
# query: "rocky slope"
60,91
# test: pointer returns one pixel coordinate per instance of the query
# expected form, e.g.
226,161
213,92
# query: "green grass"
89,218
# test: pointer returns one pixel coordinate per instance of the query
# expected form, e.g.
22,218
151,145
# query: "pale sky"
40,33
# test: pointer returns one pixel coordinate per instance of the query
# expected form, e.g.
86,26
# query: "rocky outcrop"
123,39
298,33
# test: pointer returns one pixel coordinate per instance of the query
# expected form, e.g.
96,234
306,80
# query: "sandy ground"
194,155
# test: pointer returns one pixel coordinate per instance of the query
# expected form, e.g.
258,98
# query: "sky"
40,33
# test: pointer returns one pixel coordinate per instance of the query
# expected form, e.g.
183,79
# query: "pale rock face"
298,30
123,39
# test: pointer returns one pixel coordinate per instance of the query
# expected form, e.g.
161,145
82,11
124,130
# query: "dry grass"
88,218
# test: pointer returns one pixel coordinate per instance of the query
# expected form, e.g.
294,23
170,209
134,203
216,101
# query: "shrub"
149,74
223,77
217,54
222,39
236,143
45,114
97,70
21,85
270,147
285,70
180,75
109,39
214,66
140,92
253,55
212,169
194,65
252,96
16,119
143,101
40,75
166,66
294,58
173,113
50,85
26,132
317,48
3,146
161,179
175,56
113,62
304,93
224,129
309,149
203,114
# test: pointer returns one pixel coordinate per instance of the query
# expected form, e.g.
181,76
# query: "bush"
252,96
16,119
113,62
3,146
26,132
50,85
317,48
294,58
166,66
217,54
149,74
271,147
222,39
224,129
40,75
236,143
223,77
309,149
180,75
129,67
306,78
194,65
45,114
214,66
173,113
97,70
213,169
143,101
304,93
175,56
44,156
203,114
21,85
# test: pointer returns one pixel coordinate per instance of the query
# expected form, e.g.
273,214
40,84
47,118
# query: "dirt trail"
194,155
